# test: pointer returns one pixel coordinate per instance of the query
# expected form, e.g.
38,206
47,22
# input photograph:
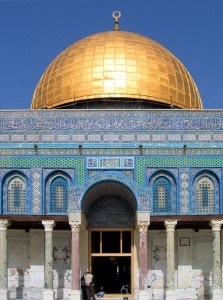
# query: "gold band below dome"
118,65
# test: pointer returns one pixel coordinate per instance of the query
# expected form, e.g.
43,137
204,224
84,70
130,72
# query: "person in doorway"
101,292
89,281
83,288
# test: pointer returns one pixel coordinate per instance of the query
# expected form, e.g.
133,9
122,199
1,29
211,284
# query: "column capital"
4,224
48,225
75,226
216,224
143,226
170,225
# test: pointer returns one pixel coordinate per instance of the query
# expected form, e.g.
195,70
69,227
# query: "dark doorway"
113,273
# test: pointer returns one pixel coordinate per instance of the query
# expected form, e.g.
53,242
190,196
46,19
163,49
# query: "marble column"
170,272
75,260
143,259
216,259
4,294
48,293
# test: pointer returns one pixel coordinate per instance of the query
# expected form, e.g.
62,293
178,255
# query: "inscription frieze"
111,121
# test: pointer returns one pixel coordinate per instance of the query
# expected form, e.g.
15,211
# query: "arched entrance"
109,208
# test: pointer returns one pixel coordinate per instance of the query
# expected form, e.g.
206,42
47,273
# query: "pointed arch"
162,187
205,193
15,193
57,193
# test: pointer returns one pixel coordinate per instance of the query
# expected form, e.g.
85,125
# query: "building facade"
116,169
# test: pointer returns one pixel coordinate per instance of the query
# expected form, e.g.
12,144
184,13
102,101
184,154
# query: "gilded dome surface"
116,65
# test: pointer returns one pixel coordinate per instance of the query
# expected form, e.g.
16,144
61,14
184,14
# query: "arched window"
205,195
162,195
16,195
58,195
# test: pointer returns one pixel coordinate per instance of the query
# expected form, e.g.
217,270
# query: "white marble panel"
184,258
186,294
158,260
202,264
61,260
37,258
18,259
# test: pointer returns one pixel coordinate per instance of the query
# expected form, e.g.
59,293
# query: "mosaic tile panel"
75,199
101,150
214,195
70,172
95,137
4,175
217,171
184,192
111,120
141,194
185,161
169,206
57,162
57,191
128,173
113,126
111,212
36,191
61,266
110,162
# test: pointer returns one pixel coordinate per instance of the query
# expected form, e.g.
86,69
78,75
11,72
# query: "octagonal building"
115,169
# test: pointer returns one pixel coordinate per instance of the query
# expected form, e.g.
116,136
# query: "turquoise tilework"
57,162
160,162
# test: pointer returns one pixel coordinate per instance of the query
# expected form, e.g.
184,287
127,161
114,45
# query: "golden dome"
116,65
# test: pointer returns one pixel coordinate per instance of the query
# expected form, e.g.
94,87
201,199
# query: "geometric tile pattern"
31,121
149,149
141,163
36,191
110,163
105,127
17,195
184,191
141,193
56,162
58,195
162,200
205,195
128,173
61,266
169,195
6,176
56,200
217,171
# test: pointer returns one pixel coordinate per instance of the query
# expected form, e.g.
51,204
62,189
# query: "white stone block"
171,295
75,295
143,295
37,277
4,294
48,295
186,294
217,295
158,294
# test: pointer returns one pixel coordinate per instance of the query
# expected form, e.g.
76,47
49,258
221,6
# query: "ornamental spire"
116,15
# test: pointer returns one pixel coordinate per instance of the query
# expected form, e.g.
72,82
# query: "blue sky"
34,32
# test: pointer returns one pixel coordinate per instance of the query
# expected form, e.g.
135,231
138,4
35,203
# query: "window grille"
162,195
16,196
59,195
205,195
